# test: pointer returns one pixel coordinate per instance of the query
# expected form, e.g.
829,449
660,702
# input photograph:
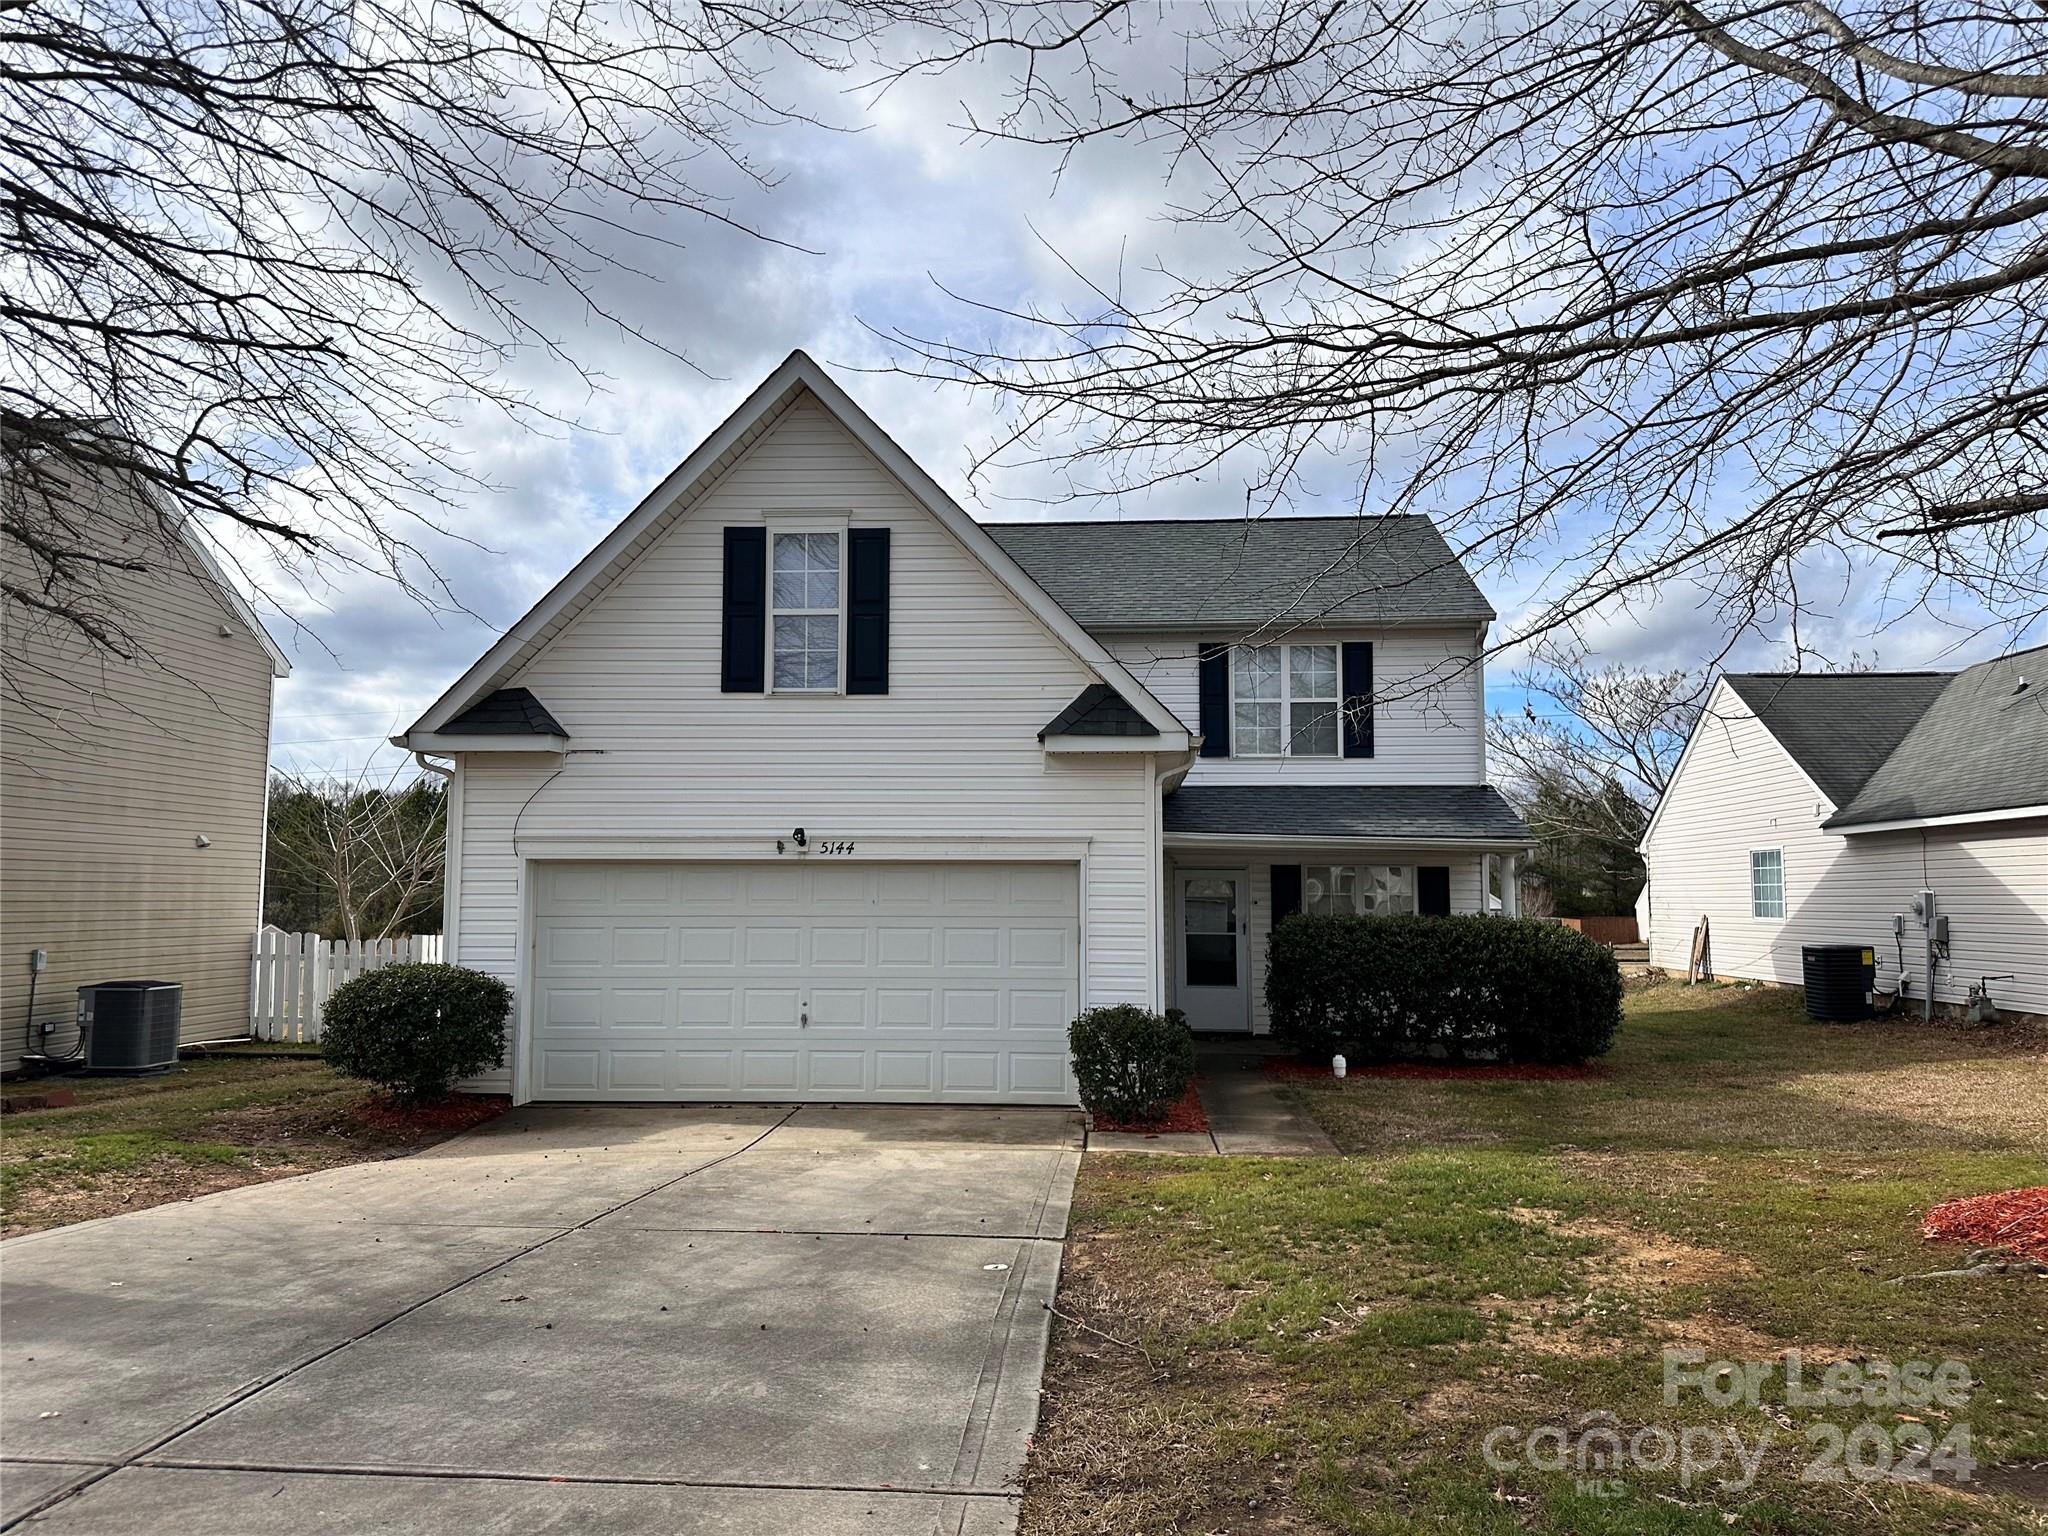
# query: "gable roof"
1098,710
507,712
1980,746
1839,727
1248,573
797,376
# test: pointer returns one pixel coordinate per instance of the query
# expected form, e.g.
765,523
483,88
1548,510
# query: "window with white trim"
1358,890
1766,882
1285,701
804,602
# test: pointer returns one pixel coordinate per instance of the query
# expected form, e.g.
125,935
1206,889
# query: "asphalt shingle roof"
1098,710
1242,573
1839,726
506,712
1412,812
1982,745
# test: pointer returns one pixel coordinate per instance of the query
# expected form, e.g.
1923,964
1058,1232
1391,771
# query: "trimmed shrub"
1462,988
1132,1063
415,1029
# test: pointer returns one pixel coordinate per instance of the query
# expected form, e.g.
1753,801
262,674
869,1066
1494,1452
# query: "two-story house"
805,785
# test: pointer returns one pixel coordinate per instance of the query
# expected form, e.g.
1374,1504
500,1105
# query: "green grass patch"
1324,1345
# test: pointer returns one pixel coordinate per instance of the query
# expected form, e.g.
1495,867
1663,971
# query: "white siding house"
804,785
1777,829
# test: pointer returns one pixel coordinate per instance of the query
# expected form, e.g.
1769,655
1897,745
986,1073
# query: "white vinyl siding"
111,773
1429,715
950,753
1737,789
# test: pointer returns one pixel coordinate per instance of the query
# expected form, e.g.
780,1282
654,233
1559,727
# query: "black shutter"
1433,890
867,610
746,611
1286,891
1358,698
1215,678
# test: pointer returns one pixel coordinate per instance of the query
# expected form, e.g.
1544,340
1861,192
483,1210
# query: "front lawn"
1301,1346
213,1123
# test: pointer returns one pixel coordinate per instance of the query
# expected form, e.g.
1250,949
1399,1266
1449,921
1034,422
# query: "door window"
1209,916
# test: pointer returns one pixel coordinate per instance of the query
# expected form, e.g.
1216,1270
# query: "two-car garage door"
808,978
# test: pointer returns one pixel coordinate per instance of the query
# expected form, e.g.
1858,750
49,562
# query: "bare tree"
258,257
1603,740
1650,291
360,852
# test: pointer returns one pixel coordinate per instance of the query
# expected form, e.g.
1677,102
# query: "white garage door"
818,979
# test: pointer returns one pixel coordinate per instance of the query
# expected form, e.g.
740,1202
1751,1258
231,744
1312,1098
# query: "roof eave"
1344,840
1841,823
445,743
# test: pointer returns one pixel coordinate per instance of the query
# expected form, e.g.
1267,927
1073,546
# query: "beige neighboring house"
132,794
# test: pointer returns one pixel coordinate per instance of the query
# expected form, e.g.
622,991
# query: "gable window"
1766,882
1284,700
803,612
1358,890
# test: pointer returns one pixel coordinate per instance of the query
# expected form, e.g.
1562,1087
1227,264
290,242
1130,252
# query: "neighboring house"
132,792
803,784
1813,809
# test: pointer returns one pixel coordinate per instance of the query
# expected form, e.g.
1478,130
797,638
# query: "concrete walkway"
1247,1112
748,1319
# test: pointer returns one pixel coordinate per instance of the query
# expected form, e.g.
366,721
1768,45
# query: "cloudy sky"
882,222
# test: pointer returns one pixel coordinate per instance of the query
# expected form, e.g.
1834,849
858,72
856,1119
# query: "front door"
1214,990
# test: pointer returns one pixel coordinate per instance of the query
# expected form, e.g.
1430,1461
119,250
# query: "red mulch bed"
2011,1218
1447,1071
459,1113
1185,1116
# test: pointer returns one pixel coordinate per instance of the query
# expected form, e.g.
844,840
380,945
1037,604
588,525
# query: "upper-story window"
1285,700
804,607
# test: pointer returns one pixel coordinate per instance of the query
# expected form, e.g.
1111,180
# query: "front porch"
1238,859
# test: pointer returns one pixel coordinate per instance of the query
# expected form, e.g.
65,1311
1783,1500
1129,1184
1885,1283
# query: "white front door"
812,978
1213,988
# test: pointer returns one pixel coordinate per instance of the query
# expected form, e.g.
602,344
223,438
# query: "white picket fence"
291,975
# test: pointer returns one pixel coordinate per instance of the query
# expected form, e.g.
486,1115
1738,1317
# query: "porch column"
1510,886
1486,886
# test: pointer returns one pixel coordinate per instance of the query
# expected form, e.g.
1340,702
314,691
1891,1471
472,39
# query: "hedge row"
1463,988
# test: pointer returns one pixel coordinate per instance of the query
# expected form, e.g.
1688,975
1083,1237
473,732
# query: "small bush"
1486,988
415,1029
1132,1064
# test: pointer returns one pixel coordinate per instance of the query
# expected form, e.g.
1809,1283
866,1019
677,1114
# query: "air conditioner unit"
130,1026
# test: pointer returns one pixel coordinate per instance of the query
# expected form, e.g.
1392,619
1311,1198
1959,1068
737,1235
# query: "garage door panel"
704,1008
768,1071
713,946
1049,949
637,947
571,1071
839,1008
641,1008
703,1071
839,946
823,980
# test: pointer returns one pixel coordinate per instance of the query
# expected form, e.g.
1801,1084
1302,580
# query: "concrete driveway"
741,1320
